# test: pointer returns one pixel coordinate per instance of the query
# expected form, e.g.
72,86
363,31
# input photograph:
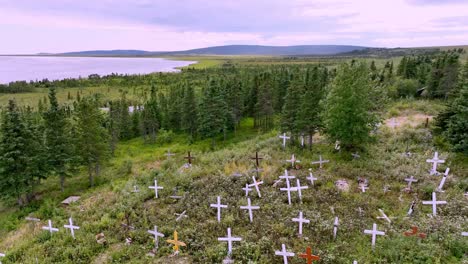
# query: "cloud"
63,25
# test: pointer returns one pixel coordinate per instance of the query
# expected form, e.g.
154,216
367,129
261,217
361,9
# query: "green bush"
406,88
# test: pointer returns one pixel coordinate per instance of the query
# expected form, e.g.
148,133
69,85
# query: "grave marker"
176,243
299,189
229,239
247,189
384,216
284,137
320,161
2,255
50,228
464,233
156,188
71,227
411,209
355,155
311,177
293,160
409,181
250,207
277,182
308,256
284,254
189,158
256,185
32,219
394,123
169,154
374,232
442,182
434,203
156,235
218,206
257,159
335,227
302,140
289,190
301,221
180,216
236,174
435,161
135,189
363,187
337,145
287,176
414,232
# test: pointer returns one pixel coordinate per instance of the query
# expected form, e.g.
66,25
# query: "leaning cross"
411,209
289,190
374,232
71,227
176,243
435,160
284,254
180,216
218,205
156,235
256,185
156,188
189,158
308,256
384,216
311,177
50,228
284,137
442,182
250,207
229,239
299,188
320,161
301,221
335,227
434,203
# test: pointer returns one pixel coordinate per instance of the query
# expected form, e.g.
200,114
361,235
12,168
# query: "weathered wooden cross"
363,187
284,137
250,207
374,232
229,239
176,243
285,254
50,228
71,227
434,203
442,182
308,256
320,161
411,209
301,221
218,205
335,227
384,216
257,159
189,158
156,188
156,235
435,161
410,180
414,232
181,215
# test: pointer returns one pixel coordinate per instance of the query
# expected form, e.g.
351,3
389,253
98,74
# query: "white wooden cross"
442,182
250,207
33,219
169,154
434,203
50,228
374,232
411,209
256,185
355,262
410,180
156,235
302,140
284,254
363,187
335,227
284,137
218,205
435,161
229,239
299,188
337,145
311,177
156,188
394,123
355,155
277,182
301,221
384,216
293,160
71,227
182,215
287,176
247,189
237,174
2,255
320,161
464,233
289,190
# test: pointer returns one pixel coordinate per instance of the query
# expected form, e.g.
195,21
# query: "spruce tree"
60,151
151,117
291,106
348,117
189,112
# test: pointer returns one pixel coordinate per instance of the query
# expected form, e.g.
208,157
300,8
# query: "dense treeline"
55,140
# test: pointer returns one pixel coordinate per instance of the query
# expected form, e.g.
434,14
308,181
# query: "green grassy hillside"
103,209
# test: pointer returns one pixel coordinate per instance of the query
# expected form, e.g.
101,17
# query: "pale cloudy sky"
31,26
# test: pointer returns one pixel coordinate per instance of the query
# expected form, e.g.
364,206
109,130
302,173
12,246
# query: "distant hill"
230,50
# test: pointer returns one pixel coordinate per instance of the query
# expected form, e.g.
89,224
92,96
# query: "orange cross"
414,232
308,256
176,242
